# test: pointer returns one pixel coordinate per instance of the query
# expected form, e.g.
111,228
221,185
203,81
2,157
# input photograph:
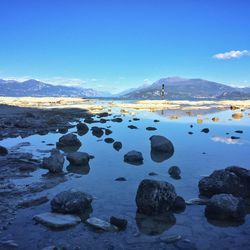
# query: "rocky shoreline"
225,193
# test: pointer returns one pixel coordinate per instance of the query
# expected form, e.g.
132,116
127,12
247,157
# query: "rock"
63,130
174,172
132,127
101,224
120,179
205,130
215,119
238,131
68,140
70,202
225,207
56,220
152,174
108,131
237,115
151,128
117,145
232,180
3,151
33,202
54,163
136,119
235,137
118,222
156,121
133,157
155,197
161,144
170,238
118,119
82,128
179,204
197,201
190,133
78,158
98,132
109,140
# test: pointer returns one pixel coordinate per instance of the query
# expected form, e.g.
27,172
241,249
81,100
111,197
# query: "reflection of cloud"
232,54
226,140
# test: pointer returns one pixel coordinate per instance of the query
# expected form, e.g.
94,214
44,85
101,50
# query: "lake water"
196,154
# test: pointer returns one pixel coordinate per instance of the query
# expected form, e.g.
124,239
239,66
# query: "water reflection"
157,156
226,140
82,170
154,225
69,149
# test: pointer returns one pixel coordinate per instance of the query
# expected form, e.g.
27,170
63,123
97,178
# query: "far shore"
97,105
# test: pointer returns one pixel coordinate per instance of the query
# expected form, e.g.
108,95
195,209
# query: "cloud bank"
232,54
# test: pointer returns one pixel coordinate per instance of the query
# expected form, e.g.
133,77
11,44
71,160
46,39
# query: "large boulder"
54,163
71,202
155,197
133,157
161,144
232,180
161,148
69,141
225,207
79,158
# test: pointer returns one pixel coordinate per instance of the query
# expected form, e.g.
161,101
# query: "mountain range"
36,88
175,88
182,88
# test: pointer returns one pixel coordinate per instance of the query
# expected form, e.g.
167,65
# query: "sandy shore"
95,105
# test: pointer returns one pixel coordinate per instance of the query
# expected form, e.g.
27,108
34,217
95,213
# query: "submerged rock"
174,172
71,202
151,128
118,222
109,140
133,157
3,151
155,197
108,131
101,224
117,119
68,140
79,158
205,130
33,202
120,179
56,220
225,207
117,145
54,163
132,127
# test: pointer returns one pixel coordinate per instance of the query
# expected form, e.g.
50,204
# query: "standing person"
162,91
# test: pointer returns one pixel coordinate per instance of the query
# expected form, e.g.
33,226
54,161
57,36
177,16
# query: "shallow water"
197,155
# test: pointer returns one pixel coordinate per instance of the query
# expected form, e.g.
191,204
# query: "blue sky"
114,45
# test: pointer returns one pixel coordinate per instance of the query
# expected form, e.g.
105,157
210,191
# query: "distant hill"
36,88
181,88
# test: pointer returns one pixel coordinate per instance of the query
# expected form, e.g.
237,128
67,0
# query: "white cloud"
232,54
